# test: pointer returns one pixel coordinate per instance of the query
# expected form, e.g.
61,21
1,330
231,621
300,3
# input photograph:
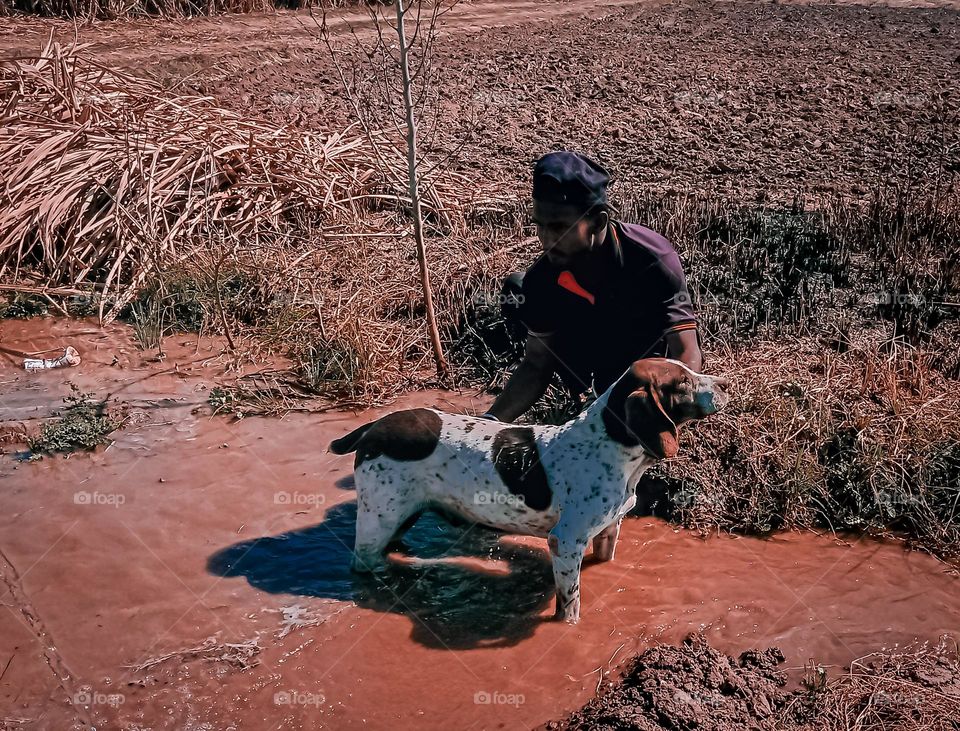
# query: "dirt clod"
690,686
693,686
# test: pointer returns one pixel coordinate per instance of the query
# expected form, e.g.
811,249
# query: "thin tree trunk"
443,368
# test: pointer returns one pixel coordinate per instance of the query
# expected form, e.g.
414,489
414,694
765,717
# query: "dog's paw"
367,565
569,614
566,617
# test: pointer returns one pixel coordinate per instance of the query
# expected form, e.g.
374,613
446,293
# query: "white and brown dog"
571,483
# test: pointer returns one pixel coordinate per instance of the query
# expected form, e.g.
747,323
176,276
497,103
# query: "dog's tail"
346,444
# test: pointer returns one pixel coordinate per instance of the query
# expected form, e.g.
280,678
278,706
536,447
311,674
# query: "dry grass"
692,685
915,688
241,655
106,178
111,184
132,177
867,439
114,9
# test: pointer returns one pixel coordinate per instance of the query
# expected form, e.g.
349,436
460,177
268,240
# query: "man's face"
565,232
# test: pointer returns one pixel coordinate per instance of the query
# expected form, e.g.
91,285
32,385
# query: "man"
602,295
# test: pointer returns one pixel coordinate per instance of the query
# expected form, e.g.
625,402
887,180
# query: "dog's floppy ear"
647,419
635,413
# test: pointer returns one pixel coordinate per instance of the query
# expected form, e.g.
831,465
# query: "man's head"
569,205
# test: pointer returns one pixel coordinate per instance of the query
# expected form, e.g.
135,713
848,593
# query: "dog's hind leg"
396,543
605,542
377,526
373,535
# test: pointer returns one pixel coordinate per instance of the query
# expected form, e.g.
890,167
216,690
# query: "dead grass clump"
350,314
107,178
241,655
916,688
867,440
692,685
185,216
114,9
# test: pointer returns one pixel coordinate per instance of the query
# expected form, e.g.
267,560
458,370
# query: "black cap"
570,178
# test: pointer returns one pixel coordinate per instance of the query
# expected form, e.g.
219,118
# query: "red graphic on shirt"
569,283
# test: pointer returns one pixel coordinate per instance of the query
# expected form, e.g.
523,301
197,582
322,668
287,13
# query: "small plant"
263,395
82,425
328,366
223,400
815,679
485,344
189,300
765,267
23,306
168,305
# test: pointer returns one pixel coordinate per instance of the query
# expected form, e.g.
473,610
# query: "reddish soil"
753,99
117,567
691,686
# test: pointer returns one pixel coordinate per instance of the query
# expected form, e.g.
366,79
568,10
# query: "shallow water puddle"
191,527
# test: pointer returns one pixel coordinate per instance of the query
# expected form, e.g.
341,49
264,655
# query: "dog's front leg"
567,554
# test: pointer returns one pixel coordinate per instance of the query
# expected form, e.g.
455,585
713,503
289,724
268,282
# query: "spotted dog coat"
571,483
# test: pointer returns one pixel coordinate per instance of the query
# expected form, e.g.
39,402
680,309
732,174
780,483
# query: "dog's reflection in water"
453,600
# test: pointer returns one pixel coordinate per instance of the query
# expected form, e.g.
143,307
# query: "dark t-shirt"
641,297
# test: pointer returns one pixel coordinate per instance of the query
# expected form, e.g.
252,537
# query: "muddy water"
117,567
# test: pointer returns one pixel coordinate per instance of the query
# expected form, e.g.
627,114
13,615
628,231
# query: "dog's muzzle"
712,394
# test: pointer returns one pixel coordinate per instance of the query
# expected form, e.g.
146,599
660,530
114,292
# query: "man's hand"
684,346
528,383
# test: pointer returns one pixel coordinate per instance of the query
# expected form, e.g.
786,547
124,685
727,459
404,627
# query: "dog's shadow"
451,605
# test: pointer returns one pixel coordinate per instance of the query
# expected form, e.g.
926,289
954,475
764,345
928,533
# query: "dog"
571,484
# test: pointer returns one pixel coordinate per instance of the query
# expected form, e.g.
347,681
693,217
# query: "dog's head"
648,402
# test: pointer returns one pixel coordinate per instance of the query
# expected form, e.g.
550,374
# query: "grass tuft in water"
83,424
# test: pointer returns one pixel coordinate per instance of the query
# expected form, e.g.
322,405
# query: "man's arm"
683,345
528,383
